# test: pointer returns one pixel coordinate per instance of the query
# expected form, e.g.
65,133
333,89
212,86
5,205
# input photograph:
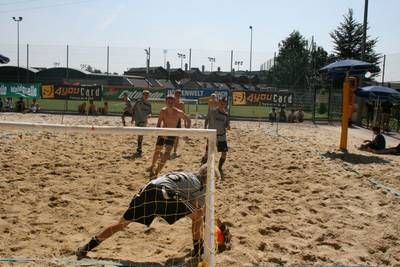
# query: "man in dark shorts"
218,119
179,104
171,196
141,111
168,118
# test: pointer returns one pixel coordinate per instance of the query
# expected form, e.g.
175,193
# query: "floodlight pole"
18,20
181,56
211,59
251,44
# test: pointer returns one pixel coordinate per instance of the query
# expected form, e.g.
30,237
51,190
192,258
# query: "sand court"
291,198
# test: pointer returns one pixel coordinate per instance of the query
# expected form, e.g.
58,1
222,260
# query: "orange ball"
219,236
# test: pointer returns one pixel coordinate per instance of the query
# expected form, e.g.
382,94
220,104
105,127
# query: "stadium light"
212,60
251,44
165,51
147,65
238,63
18,20
182,57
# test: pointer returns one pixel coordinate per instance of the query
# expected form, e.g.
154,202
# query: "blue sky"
210,28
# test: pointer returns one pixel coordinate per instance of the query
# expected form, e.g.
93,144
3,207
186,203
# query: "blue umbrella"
349,65
4,59
377,91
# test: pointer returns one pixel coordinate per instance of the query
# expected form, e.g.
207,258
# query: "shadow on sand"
354,158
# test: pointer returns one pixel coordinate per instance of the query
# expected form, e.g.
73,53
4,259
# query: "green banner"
26,90
113,93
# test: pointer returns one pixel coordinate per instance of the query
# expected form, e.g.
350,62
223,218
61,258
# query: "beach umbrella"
4,59
377,91
351,66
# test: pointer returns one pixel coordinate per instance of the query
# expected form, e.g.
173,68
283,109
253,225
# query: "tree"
348,38
292,62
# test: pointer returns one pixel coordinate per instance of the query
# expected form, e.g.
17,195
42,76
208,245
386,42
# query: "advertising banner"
26,90
250,98
114,93
201,94
72,92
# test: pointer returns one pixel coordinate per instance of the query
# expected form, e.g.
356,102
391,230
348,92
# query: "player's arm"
160,118
182,115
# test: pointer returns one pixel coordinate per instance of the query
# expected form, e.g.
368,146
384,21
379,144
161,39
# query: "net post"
210,251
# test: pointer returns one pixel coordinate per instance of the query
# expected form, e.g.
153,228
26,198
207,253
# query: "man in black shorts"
168,118
218,119
171,196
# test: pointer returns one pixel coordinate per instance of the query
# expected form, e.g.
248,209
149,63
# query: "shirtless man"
169,117
179,105
213,102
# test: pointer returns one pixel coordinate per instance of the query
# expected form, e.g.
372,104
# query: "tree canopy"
348,39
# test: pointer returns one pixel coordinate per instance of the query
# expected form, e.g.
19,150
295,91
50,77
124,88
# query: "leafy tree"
348,39
292,62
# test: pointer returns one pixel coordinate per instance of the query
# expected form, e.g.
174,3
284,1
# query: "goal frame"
210,134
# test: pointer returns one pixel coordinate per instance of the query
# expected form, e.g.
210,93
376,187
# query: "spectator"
300,115
1,105
92,108
35,106
9,105
272,115
282,115
378,143
20,105
82,108
103,110
292,116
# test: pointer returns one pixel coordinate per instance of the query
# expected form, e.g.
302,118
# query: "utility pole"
364,40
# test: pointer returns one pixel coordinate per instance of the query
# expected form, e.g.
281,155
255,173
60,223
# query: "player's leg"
156,156
164,157
103,235
169,144
205,156
197,232
123,118
221,163
174,154
139,145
